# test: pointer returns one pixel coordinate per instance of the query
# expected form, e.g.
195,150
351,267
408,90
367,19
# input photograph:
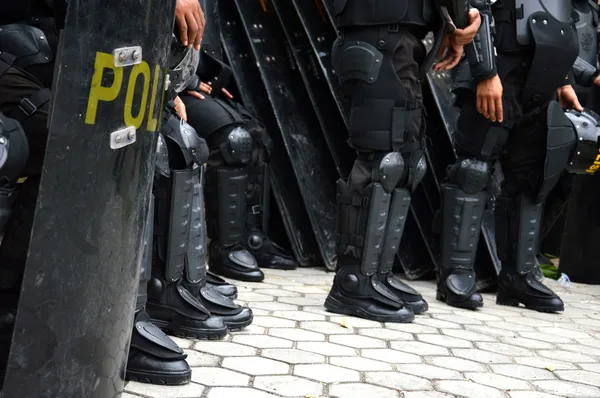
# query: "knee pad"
417,172
14,149
472,176
237,149
390,169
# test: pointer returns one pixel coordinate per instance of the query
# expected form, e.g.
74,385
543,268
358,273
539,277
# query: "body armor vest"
354,13
512,20
587,25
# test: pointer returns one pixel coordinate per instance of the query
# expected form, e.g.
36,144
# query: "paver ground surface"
296,349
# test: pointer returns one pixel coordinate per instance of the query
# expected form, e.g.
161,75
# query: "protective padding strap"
179,223
195,264
232,184
395,228
462,216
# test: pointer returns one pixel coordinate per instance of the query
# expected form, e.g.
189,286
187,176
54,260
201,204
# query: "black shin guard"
517,237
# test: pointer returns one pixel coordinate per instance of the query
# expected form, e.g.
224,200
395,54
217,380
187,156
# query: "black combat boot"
178,218
153,357
464,201
221,285
517,237
371,215
267,253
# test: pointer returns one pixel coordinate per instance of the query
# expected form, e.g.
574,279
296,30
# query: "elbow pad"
481,53
584,73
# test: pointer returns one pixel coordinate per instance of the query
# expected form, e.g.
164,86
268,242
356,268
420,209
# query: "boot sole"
457,304
238,277
237,326
182,331
513,302
337,307
159,379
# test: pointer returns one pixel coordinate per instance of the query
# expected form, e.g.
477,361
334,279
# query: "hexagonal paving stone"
573,334
261,341
254,297
272,322
595,351
468,335
256,366
523,372
498,381
297,334
548,338
278,293
419,348
303,289
326,373
411,328
426,394
292,356
468,389
458,319
566,356
527,321
429,371
298,315
288,386
196,358
530,394
592,367
354,322
328,349
543,363
325,327
274,306
252,329
151,390
355,390
458,364
231,392
479,315
505,349
360,364
390,356
386,334
480,355
567,389
302,301
218,377
445,341
527,343
436,323
224,349
512,327
490,331
580,376
398,381
355,341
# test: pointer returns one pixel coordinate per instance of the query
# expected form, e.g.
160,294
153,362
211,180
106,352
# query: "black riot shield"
304,169
77,301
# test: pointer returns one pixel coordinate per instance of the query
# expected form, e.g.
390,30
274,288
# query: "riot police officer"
380,61
237,187
509,113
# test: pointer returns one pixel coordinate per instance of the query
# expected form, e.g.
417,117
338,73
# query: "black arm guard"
458,11
584,73
481,53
